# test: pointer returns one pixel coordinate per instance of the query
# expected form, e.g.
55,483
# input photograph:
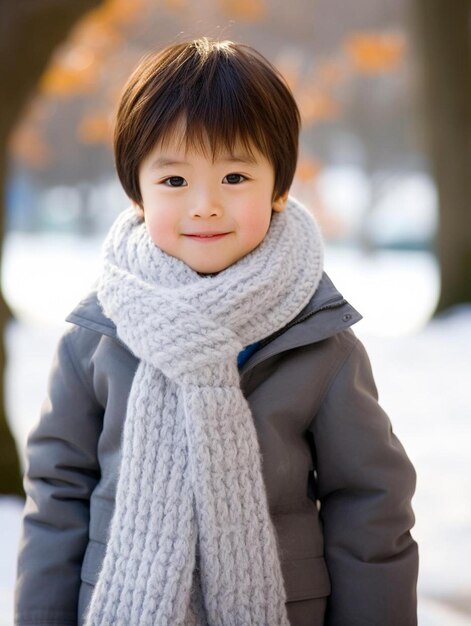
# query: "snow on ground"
422,370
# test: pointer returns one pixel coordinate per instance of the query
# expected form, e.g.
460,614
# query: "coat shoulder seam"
77,368
336,370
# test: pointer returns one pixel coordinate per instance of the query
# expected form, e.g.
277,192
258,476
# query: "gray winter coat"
339,483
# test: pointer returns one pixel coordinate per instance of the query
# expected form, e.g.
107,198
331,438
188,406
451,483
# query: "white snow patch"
10,517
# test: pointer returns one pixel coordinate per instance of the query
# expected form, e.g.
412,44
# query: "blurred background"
384,88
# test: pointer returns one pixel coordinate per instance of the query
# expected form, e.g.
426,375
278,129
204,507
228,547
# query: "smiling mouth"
207,237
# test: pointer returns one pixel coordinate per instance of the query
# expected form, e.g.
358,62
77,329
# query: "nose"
206,205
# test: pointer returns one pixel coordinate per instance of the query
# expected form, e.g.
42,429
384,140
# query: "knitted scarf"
191,540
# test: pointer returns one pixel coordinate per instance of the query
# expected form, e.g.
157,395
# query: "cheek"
160,227
256,223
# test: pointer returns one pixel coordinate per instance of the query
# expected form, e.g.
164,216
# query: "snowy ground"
422,370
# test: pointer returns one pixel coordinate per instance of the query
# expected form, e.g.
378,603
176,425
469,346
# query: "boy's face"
187,195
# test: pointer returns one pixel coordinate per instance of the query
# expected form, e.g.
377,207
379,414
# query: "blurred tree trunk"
30,30
442,36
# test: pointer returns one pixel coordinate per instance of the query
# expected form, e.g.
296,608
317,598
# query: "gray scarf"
191,540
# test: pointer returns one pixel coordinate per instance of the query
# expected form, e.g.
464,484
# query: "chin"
208,272
203,270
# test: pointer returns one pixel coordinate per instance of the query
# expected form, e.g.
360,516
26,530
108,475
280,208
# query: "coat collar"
326,314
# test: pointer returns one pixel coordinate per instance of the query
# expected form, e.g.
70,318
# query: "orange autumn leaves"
375,53
361,54
76,66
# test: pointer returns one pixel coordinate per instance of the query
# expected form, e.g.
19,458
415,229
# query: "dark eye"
175,181
234,179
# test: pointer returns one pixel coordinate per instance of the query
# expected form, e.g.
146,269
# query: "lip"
206,236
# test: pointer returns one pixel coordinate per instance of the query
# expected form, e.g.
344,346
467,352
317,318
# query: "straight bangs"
190,132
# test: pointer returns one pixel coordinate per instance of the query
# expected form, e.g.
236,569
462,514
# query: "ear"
279,204
139,210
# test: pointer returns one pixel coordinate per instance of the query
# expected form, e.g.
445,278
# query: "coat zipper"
332,305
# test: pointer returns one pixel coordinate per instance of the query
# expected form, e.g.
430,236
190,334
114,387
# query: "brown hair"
224,92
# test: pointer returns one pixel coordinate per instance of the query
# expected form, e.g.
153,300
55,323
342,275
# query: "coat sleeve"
61,472
365,484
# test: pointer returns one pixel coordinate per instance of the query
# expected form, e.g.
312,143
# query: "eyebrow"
239,158
163,162
169,162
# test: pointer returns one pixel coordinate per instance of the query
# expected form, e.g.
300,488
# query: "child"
211,450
